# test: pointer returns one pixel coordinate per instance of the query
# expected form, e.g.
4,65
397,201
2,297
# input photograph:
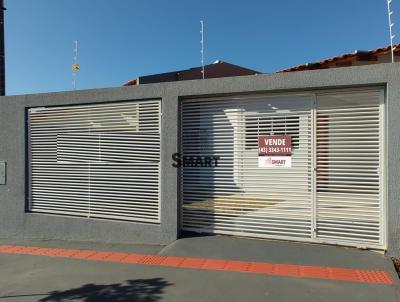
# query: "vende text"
274,145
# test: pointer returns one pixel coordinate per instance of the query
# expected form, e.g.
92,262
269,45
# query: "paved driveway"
26,277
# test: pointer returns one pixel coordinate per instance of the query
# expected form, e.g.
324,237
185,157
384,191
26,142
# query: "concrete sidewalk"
40,278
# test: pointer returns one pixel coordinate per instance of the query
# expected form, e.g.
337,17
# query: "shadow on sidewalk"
149,290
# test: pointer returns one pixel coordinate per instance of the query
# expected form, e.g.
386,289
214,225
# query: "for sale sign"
274,151
274,145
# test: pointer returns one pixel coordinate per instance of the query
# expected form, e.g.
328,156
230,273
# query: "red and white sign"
274,151
274,145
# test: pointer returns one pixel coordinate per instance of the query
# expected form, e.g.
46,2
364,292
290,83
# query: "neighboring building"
357,58
218,69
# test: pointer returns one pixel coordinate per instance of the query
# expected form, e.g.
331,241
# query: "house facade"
102,165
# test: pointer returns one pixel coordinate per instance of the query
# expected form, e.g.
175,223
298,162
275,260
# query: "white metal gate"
333,193
237,197
96,161
350,183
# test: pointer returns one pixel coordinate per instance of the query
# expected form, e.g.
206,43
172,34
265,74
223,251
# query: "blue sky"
121,39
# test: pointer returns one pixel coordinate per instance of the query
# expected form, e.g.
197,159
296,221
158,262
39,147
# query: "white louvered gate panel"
349,167
238,197
100,160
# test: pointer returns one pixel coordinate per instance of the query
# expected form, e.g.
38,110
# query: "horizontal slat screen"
238,197
340,135
349,187
96,161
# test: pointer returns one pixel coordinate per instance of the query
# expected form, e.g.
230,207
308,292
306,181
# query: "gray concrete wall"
15,222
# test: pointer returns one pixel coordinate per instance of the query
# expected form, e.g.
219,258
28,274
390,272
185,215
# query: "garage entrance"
331,193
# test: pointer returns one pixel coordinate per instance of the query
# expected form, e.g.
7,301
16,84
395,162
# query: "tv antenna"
390,12
75,65
202,48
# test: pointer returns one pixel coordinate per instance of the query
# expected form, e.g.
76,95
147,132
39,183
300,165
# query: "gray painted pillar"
169,174
393,161
12,151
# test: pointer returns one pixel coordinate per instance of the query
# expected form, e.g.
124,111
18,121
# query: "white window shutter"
97,161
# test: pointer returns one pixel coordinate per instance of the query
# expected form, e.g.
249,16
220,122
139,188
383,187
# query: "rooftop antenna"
75,65
202,48
390,12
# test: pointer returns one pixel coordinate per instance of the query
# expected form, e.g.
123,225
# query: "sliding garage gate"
334,190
